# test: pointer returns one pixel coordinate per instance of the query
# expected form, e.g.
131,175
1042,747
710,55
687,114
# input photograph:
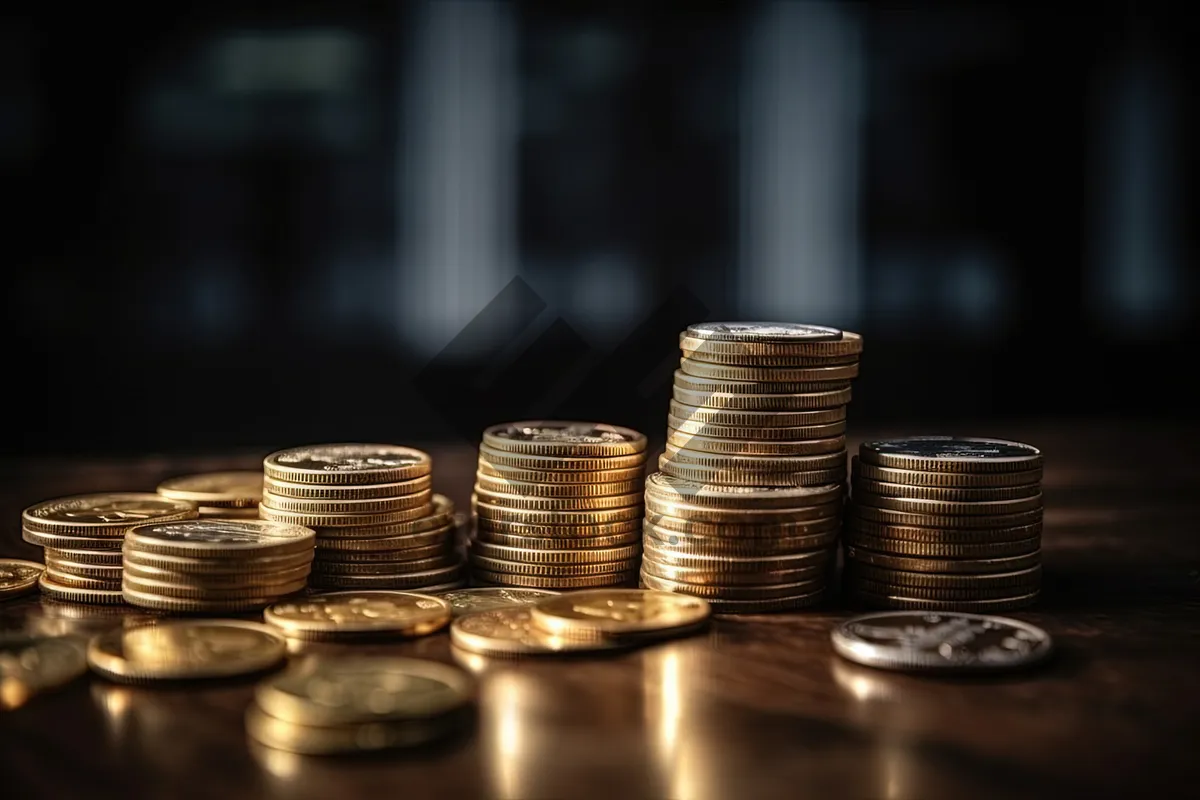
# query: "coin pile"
229,494
940,523
325,706
83,536
214,565
558,505
378,523
746,508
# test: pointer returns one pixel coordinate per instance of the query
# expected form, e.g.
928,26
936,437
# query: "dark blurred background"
264,224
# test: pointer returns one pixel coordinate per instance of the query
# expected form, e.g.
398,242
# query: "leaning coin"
510,631
186,650
350,614
32,664
225,490
465,601
618,613
18,577
944,640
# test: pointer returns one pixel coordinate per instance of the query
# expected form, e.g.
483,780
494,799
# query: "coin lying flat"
465,601
618,612
108,514
927,640
185,650
18,577
350,614
510,631
218,537
778,332
951,454
33,664
347,464
556,438
228,489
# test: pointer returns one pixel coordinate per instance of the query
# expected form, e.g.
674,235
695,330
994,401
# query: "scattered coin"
465,601
510,632
18,577
355,614
231,489
618,613
185,651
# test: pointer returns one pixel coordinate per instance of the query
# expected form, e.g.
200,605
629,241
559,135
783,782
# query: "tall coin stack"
83,536
746,510
558,505
378,523
944,524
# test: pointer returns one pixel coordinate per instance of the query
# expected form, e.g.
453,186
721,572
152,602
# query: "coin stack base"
939,523
558,505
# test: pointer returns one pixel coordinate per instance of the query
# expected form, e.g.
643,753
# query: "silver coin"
931,641
954,448
463,601
762,332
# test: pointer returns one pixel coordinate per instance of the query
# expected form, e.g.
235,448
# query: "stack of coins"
234,494
214,565
558,505
359,704
378,523
747,507
940,523
83,535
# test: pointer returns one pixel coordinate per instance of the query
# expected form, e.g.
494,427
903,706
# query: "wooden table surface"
757,707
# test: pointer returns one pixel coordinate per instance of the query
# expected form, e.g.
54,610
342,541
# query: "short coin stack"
83,536
378,523
940,523
215,565
229,494
558,505
359,704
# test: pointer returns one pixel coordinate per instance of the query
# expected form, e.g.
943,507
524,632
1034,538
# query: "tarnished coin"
510,631
110,514
926,640
18,577
347,464
357,689
185,650
618,612
352,614
32,664
220,537
555,438
466,601
229,489
951,454
778,332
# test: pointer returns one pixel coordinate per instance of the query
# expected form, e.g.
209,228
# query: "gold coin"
905,601
948,508
518,501
746,447
566,556
763,360
951,454
377,505
441,516
563,582
58,541
483,535
187,605
600,517
567,570
692,383
753,420
200,565
347,464
490,456
230,489
768,334
315,520
510,631
724,563
334,739
336,569
742,477
488,483
100,515
308,491
737,547
672,572
984,549
258,581
886,517
763,402
356,689
915,477
618,613
947,493
666,526
722,372
411,580
1026,579
214,538
18,577
668,489
850,344
82,581
33,664
558,531
942,535
573,439
98,557
341,614
185,591
390,548
467,601
957,566
762,436
756,464
103,572
711,592
566,477
70,594
185,650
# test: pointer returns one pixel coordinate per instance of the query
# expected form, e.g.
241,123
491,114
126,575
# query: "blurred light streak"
456,232
800,164
314,60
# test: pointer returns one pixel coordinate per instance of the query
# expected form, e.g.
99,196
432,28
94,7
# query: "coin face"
220,534
364,463
465,601
18,577
406,613
762,332
117,509
511,630
953,448
186,650
30,664
564,438
233,488
927,640
616,612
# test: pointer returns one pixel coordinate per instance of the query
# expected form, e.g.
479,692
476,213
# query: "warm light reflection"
510,753
117,705
678,741
879,703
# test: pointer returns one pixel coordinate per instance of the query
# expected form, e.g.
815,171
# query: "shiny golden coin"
692,383
489,456
849,344
886,517
666,488
817,524
786,561
942,535
84,570
945,493
445,557
905,601
599,517
763,402
347,464
488,483
983,549
791,591
368,491
315,520
556,530
569,570
101,515
562,582
185,650
441,516
518,501
618,613
184,591
98,557
229,565
756,464
1027,579
70,594
467,601
775,375
679,574
744,447
220,580
573,439
376,505
58,541
564,477
346,690
33,664
964,480
949,508
18,577
412,580
754,420
187,605
948,566
951,454
736,547
342,614
681,427
565,556
557,542
214,538
82,581
742,477
334,739
229,489
510,631
392,548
